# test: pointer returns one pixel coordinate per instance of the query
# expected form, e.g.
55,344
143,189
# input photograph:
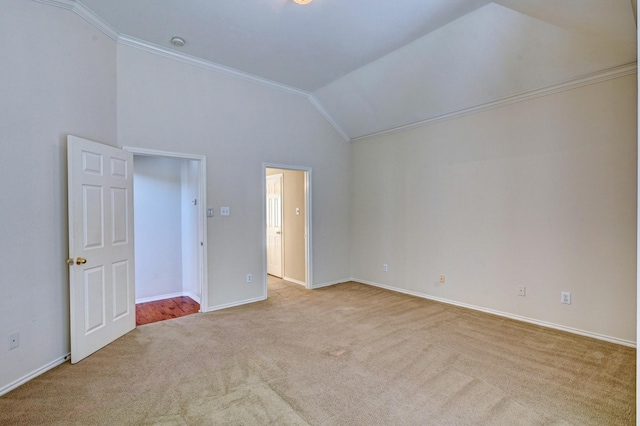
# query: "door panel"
93,282
101,272
119,222
93,222
121,289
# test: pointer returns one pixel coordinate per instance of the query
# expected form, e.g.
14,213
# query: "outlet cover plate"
14,341
565,297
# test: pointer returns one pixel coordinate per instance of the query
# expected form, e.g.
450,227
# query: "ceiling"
372,66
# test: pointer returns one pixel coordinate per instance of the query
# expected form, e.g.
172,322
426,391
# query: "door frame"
202,216
308,255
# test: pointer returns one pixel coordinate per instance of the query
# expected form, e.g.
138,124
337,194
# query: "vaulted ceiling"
371,66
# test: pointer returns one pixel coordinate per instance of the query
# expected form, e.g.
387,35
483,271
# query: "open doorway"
287,233
170,237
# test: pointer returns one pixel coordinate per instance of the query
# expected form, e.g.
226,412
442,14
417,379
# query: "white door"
274,225
101,265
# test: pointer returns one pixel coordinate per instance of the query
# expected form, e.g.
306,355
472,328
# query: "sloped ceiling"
372,66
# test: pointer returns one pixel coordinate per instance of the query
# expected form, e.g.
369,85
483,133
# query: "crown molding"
95,20
81,10
212,66
88,15
586,80
63,4
318,106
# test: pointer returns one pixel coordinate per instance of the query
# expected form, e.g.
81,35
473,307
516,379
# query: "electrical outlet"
521,290
385,268
14,341
225,211
210,212
249,278
565,297
442,279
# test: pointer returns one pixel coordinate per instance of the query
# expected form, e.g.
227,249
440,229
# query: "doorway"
287,225
275,226
170,237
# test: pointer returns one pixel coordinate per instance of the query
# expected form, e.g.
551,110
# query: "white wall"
157,186
541,193
173,106
57,77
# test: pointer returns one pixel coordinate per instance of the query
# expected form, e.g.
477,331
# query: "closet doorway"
170,234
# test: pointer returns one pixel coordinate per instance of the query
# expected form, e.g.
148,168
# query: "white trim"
308,221
88,15
572,330
24,379
63,4
203,63
594,78
330,283
81,10
234,304
192,296
204,271
159,153
291,280
212,66
314,101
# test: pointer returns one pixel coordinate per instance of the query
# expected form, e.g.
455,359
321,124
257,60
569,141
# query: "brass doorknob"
81,261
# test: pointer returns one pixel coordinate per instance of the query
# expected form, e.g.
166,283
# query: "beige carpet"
344,355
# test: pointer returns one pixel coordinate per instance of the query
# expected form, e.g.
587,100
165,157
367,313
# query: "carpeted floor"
349,354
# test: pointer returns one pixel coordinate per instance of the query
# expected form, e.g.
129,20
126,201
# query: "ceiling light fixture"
177,41
302,1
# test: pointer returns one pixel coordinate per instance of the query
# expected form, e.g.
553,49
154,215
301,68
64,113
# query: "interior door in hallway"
101,256
274,225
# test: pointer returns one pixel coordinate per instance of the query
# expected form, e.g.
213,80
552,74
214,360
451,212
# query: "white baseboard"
168,296
193,296
291,280
231,305
330,283
572,330
24,379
